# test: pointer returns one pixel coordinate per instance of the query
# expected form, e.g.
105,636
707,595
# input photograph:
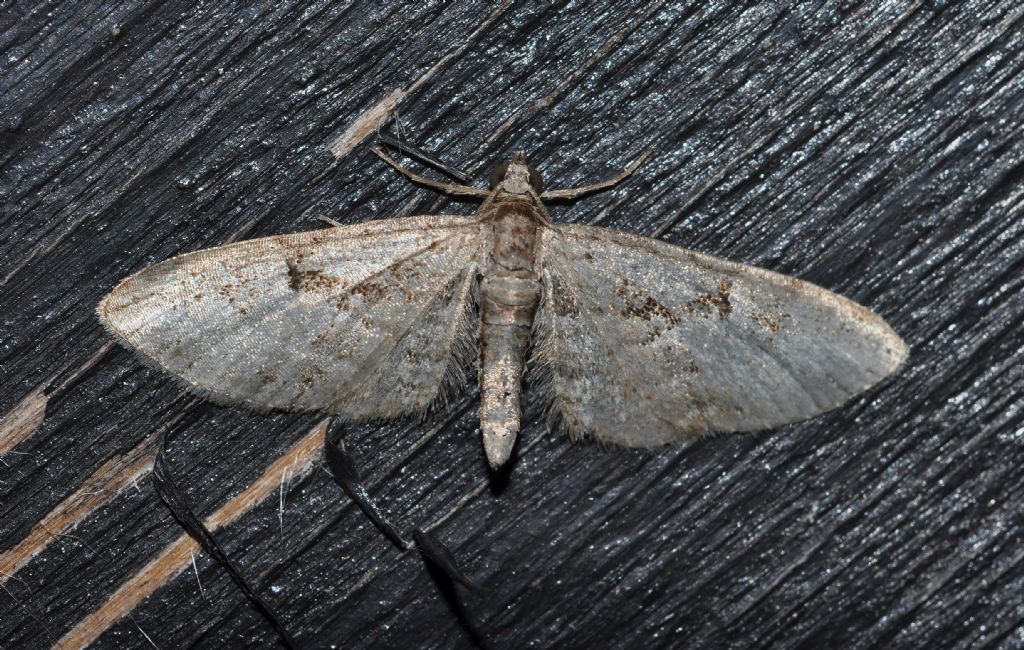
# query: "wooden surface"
874,148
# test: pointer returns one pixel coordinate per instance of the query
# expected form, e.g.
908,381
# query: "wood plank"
873,148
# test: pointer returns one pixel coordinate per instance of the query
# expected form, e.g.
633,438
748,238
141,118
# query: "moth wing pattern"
373,320
641,343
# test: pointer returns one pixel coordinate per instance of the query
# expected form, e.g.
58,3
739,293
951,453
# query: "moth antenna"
577,192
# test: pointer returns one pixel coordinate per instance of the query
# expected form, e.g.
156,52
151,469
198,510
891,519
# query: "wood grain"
874,148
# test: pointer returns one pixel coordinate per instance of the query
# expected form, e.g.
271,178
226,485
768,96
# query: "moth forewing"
362,321
648,343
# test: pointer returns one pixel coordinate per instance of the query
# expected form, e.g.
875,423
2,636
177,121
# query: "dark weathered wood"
874,148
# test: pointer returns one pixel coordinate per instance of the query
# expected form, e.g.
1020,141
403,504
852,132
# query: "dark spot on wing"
294,275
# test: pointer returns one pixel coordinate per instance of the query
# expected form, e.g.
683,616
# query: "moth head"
516,177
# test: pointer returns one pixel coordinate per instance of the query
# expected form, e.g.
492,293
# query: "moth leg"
419,155
345,474
437,553
577,192
174,498
455,189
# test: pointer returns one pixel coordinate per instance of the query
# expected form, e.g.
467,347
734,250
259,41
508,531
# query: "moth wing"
368,320
646,343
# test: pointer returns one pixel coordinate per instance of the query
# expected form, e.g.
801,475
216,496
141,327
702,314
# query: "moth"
636,342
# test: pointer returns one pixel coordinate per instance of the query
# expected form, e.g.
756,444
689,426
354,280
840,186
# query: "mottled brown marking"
640,304
311,377
316,280
563,302
266,376
565,305
718,301
310,279
770,321
323,340
372,291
